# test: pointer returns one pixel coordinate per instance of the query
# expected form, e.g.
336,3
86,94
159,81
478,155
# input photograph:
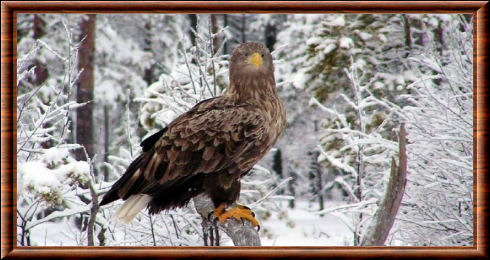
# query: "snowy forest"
378,148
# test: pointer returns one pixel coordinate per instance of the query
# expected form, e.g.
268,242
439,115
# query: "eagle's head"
251,58
251,65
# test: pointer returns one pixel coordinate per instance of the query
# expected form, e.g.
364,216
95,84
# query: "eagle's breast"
273,122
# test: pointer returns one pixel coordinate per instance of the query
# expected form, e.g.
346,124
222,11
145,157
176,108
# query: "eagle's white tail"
131,207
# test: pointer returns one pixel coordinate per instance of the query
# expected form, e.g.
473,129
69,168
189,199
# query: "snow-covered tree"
363,154
438,208
440,99
52,185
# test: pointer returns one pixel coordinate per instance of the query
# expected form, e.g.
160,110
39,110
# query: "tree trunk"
193,22
270,36
358,193
214,30
315,176
106,140
316,171
93,216
277,167
292,191
388,208
148,76
242,234
40,72
225,24
408,33
85,87
277,162
319,183
243,28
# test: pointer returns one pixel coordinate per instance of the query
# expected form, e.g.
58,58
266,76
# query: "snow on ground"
302,227
299,227
57,234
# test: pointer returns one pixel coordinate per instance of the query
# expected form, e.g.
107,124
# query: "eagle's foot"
215,214
239,213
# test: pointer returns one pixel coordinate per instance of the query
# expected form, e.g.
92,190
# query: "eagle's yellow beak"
255,59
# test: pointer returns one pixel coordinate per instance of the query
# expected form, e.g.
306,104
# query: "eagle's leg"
219,210
239,213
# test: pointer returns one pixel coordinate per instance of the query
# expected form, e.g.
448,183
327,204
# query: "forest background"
90,88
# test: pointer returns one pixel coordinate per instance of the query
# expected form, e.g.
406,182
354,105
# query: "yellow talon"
238,213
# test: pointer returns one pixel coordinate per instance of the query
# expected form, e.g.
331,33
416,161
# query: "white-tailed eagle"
210,147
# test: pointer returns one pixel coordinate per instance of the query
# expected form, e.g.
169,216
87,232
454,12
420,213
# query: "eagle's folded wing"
209,138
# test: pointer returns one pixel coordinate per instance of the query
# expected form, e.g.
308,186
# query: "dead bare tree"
388,208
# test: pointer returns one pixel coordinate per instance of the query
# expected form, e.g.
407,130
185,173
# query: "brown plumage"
210,147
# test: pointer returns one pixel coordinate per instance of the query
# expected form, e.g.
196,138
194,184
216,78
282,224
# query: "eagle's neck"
253,90
262,95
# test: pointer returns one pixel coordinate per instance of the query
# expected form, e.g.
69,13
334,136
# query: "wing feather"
208,152
208,138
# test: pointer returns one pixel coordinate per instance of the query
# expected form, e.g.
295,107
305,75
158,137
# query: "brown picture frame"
9,248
